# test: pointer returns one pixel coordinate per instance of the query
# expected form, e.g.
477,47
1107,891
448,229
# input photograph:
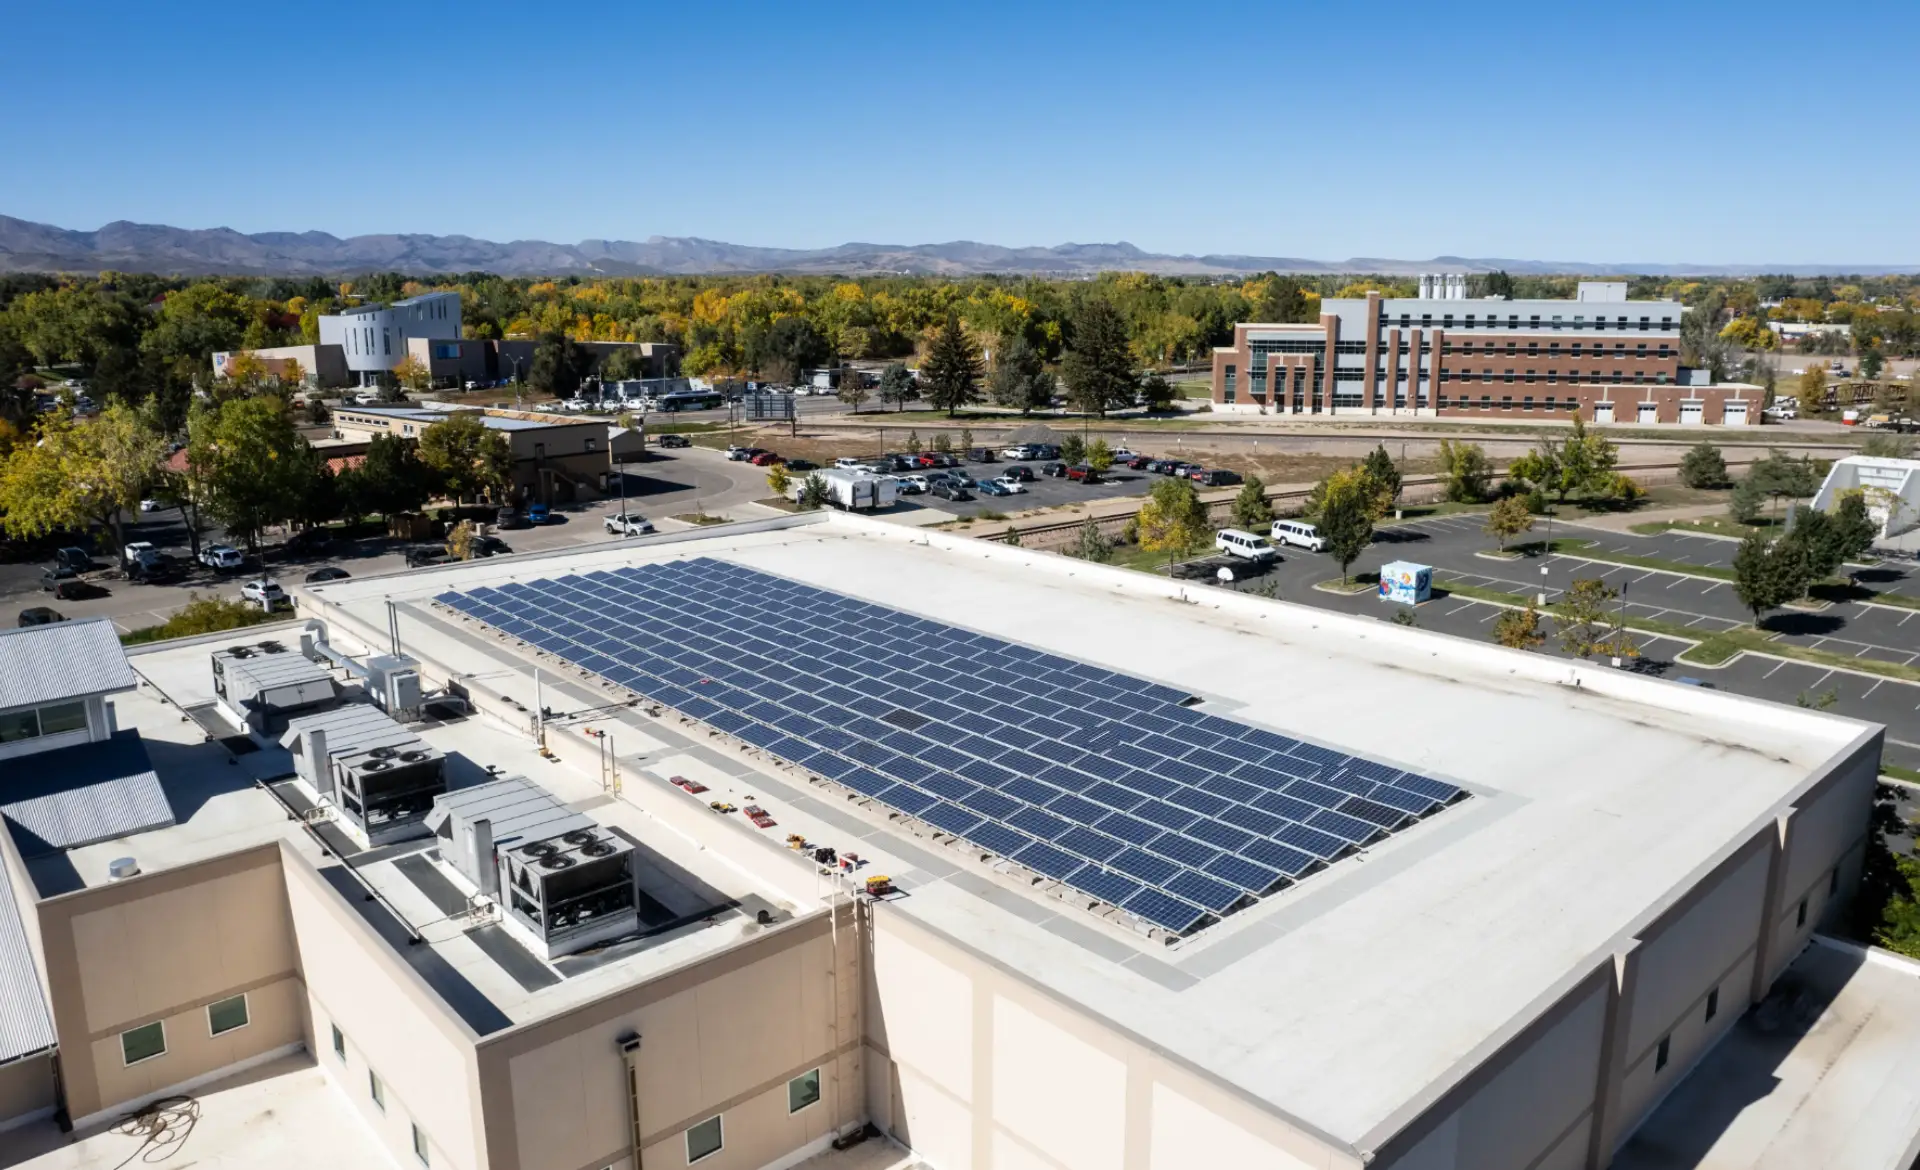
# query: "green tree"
1767,574
460,541
1172,520
1098,366
952,369
1749,498
1703,467
1519,629
1092,545
1853,523
1381,468
1019,380
897,386
389,480
853,389
412,373
1346,516
1251,511
1508,519
813,493
1888,445
1587,624
779,479
451,450
1157,393
1871,364
251,464
1812,388
558,365
787,347
1099,457
1073,449
1465,470
81,472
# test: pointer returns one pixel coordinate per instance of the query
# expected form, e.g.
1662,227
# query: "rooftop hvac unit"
387,792
270,647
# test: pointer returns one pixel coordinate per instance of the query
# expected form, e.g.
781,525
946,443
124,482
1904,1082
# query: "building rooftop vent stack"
1426,287
483,868
122,867
319,765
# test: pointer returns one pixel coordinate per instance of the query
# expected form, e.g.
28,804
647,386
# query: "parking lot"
1850,628
1043,492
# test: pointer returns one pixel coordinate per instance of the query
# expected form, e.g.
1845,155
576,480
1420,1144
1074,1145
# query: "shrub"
202,615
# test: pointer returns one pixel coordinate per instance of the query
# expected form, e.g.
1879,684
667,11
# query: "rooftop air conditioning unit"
382,753
557,861
240,651
540,849
269,647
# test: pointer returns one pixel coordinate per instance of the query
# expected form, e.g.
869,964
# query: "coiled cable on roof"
163,1127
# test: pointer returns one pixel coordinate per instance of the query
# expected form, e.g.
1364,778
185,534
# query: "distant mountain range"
136,247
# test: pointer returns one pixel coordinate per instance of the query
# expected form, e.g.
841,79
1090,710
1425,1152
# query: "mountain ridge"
26,246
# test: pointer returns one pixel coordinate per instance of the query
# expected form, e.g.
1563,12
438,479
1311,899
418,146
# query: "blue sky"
1613,132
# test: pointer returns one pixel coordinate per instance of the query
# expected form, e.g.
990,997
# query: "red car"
1081,471
766,459
1139,461
926,459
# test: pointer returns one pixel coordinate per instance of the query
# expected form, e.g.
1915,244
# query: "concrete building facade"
377,338
1445,355
556,458
1512,984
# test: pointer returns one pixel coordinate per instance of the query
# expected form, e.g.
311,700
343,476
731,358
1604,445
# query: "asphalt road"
1452,544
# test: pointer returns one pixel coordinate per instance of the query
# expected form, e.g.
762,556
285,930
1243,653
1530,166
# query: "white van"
849,463
1246,545
1299,534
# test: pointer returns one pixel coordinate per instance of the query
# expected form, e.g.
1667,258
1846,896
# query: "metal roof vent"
122,867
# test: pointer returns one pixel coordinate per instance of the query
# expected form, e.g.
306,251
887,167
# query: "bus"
676,400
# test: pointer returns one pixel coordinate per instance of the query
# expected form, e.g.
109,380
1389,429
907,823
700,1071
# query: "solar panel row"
1100,780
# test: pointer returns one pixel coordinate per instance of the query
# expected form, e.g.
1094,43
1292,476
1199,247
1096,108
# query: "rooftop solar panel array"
1099,780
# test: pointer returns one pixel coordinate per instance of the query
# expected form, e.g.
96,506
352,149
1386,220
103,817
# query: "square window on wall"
803,1090
339,1042
1713,1004
376,1090
704,1139
226,1015
1661,1053
420,1145
143,1043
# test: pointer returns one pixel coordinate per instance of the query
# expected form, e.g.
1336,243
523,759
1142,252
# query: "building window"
143,1043
592,446
1486,402
420,1145
703,1139
226,1015
1661,1053
1506,402
1713,1004
1526,403
34,722
1800,916
376,1090
1509,377
803,1091
339,1042
1228,382
1833,882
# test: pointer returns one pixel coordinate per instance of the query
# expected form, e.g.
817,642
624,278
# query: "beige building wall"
723,1037
392,1024
970,1066
27,1089
162,947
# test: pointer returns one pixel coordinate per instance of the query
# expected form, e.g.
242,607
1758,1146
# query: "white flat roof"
1353,994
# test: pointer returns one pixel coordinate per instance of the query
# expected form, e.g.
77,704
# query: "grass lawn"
1429,511
1907,774
700,518
1132,556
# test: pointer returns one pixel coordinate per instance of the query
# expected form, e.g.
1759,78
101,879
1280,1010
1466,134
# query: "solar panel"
1020,751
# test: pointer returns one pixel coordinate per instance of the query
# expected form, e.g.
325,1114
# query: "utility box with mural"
1406,582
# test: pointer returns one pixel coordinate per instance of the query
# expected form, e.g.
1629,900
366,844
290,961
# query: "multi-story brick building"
1600,355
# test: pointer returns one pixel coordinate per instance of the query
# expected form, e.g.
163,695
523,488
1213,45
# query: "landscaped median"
1712,649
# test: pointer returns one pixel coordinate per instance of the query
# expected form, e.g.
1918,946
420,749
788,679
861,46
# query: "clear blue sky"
1618,132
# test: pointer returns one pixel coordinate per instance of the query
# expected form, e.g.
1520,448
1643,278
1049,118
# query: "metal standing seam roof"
517,808
26,1026
351,729
75,796
277,670
63,660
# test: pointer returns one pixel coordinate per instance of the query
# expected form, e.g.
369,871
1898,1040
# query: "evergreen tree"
1381,467
952,370
897,386
1767,574
1020,382
1703,467
1250,508
1098,366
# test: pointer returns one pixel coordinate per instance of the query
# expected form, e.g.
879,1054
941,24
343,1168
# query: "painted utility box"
1405,582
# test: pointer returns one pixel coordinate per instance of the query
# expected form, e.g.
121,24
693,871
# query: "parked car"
895,463
1020,452
1012,484
147,506
73,557
1298,533
221,557
766,459
993,487
1213,476
629,524
1083,473
330,573
740,454
426,554
160,570
509,518
945,459
914,485
308,541
40,615
538,513
802,465
1245,545
69,588
1020,472
960,479
1139,462
141,551
1056,469
948,490
490,546
925,459
675,441
263,591
980,455
848,462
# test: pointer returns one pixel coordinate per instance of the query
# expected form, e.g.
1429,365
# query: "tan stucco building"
1511,980
556,458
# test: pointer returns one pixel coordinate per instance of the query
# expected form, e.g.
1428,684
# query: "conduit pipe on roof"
313,643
